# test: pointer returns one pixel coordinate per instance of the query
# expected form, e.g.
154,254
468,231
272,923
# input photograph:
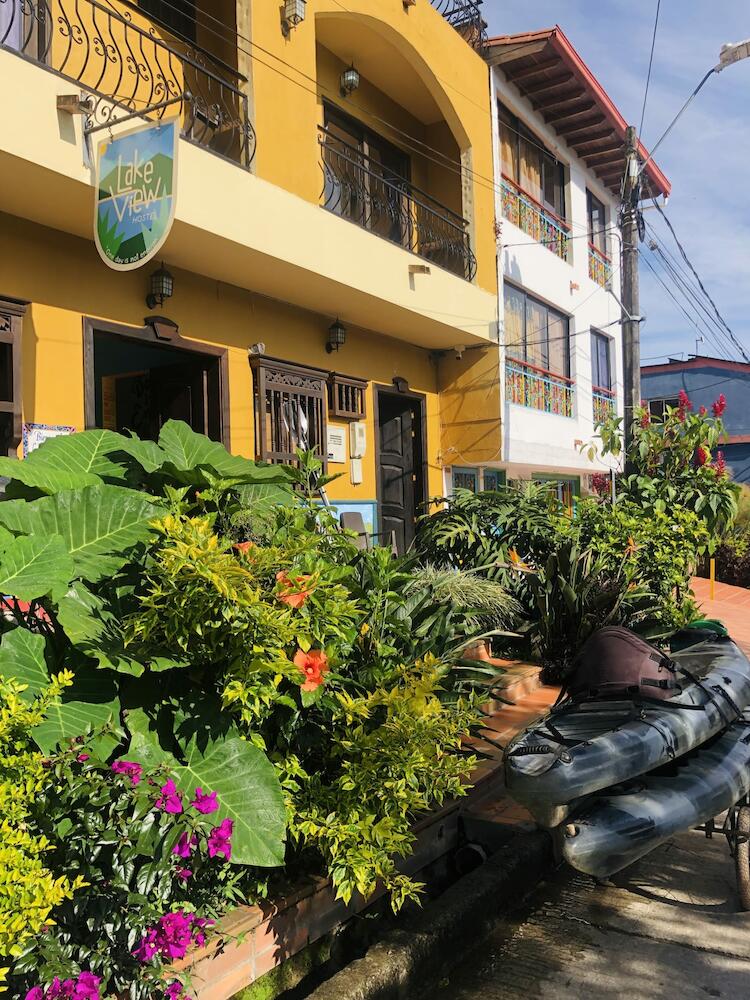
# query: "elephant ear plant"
244,692
76,530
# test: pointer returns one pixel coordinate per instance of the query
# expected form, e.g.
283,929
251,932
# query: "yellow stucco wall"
437,84
64,280
470,407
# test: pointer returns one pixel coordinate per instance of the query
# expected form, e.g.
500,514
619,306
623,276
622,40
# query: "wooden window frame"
11,333
285,375
148,334
598,337
590,199
359,387
520,131
522,349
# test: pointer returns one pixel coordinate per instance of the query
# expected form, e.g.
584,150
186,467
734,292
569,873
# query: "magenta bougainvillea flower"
184,845
219,840
82,758
204,802
170,799
128,768
184,874
85,987
174,992
172,936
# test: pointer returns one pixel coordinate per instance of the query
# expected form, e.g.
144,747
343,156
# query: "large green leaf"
84,453
187,452
249,794
33,565
22,659
46,478
99,525
78,614
91,702
148,454
262,497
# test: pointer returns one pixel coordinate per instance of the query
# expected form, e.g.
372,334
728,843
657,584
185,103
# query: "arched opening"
392,149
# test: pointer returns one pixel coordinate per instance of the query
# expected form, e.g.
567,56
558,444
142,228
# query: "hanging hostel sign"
136,181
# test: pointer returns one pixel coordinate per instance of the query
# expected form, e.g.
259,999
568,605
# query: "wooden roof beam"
575,131
514,53
597,154
532,89
551,119
525,72
566,100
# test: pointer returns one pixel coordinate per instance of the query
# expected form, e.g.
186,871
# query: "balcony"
538,389
127,68
534,220
600,266
466,17
361,190
603,404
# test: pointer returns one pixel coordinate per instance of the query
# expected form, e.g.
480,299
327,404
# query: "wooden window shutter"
290,410
347,397
11,320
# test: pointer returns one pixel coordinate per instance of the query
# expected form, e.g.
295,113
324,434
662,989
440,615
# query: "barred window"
290,410
11,315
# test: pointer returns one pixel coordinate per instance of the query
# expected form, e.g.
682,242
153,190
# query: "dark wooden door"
180,392
400,485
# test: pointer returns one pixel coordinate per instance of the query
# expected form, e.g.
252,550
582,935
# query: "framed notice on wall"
36,434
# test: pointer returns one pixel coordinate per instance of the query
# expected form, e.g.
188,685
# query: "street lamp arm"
680,113
730,53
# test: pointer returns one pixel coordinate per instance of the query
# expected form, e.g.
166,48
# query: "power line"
684,285
650,64
686,314
687,260
412,142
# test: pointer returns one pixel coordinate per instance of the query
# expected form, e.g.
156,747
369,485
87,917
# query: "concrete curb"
409,957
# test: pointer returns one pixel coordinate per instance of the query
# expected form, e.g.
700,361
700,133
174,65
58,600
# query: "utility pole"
631,331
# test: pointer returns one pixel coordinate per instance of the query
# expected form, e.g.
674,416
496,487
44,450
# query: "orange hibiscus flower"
293,591
243,547
314,666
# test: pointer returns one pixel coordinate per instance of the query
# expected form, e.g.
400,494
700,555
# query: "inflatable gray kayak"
614,829
579,749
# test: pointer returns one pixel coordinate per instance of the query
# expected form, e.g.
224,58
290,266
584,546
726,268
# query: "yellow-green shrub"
28,890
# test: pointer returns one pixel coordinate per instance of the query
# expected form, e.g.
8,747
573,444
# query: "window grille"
11,316
347,397
290,410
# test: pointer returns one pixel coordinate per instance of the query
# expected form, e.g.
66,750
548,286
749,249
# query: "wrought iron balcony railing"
539,389
603,403
466,17
600,266
364,191
526,213
116,54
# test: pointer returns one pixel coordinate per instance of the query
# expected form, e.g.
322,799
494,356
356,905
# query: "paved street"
669,927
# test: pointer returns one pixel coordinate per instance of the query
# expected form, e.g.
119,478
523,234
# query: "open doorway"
136,382
400,456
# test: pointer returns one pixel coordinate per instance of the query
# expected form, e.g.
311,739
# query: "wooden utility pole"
631,327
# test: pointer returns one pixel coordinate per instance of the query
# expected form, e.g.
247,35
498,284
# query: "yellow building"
334,183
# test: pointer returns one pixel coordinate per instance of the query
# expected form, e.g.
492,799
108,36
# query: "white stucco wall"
533,440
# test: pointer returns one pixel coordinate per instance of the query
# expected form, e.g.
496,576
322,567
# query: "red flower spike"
719,406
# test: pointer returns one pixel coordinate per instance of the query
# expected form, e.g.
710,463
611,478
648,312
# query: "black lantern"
294,12
336,336
349,81
162,286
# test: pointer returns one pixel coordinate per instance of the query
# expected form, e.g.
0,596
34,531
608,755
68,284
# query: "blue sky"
706,156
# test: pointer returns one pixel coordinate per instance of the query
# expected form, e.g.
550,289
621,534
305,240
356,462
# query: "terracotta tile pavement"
731,605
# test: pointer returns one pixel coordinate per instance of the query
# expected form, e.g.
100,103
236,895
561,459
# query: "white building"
559,145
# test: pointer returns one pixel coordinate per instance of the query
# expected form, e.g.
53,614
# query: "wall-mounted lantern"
293,14
336,336
162,286
349,81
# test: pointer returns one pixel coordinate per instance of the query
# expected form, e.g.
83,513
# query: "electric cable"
650,64
686,314
231,35
687,260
